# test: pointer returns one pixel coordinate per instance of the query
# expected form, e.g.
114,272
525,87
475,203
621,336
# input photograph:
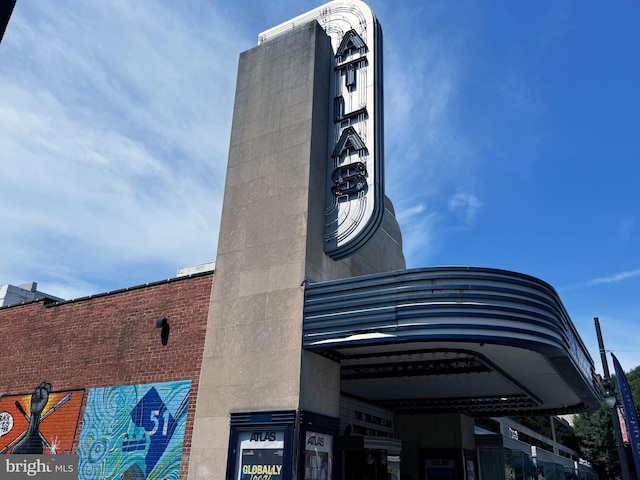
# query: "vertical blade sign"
354,187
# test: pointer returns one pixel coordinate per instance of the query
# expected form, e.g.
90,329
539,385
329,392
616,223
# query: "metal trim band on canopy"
442,303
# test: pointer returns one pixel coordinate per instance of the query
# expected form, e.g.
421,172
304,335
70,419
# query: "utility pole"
611,400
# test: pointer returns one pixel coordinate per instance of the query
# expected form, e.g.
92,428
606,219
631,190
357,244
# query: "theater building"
320,356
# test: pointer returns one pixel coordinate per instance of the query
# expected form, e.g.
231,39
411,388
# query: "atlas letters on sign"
354,193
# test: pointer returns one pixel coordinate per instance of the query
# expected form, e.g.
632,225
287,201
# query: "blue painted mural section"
134,432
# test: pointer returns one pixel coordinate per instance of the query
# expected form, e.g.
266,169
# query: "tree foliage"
597,442
596,436
633,378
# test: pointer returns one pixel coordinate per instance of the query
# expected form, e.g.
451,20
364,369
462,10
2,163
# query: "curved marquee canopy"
470,340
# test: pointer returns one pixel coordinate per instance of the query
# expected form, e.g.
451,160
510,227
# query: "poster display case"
281,445
261,446
260,454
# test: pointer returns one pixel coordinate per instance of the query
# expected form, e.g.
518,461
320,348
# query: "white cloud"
420,106
429,158
409,213
615,278
420,239
114,128
466,206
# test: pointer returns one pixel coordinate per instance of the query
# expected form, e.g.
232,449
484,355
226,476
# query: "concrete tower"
286,142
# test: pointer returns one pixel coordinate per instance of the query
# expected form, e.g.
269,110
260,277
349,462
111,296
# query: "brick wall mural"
134,431
108,340
39,422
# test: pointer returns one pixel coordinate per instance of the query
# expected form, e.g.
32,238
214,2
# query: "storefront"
504,454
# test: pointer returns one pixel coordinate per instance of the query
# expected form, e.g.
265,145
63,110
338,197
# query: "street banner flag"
629,412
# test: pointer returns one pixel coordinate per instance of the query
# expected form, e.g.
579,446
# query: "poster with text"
261,455
318,456
263,463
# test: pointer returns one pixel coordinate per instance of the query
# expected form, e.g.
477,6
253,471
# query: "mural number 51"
154,415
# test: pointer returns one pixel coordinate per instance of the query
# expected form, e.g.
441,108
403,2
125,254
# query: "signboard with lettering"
318,456
354,187
261,455
261,464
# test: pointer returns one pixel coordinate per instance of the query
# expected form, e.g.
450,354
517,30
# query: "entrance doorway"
370,458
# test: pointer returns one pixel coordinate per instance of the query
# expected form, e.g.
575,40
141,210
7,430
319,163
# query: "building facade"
116,386
315,353
325,357
513,451
12,294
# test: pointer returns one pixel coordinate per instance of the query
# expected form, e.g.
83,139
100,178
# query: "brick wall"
108,340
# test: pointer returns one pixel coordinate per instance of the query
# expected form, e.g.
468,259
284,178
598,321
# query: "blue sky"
512,141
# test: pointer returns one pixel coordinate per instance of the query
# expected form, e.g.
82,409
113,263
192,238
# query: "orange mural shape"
58,421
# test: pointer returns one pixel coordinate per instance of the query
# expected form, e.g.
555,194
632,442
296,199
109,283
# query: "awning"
470,340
